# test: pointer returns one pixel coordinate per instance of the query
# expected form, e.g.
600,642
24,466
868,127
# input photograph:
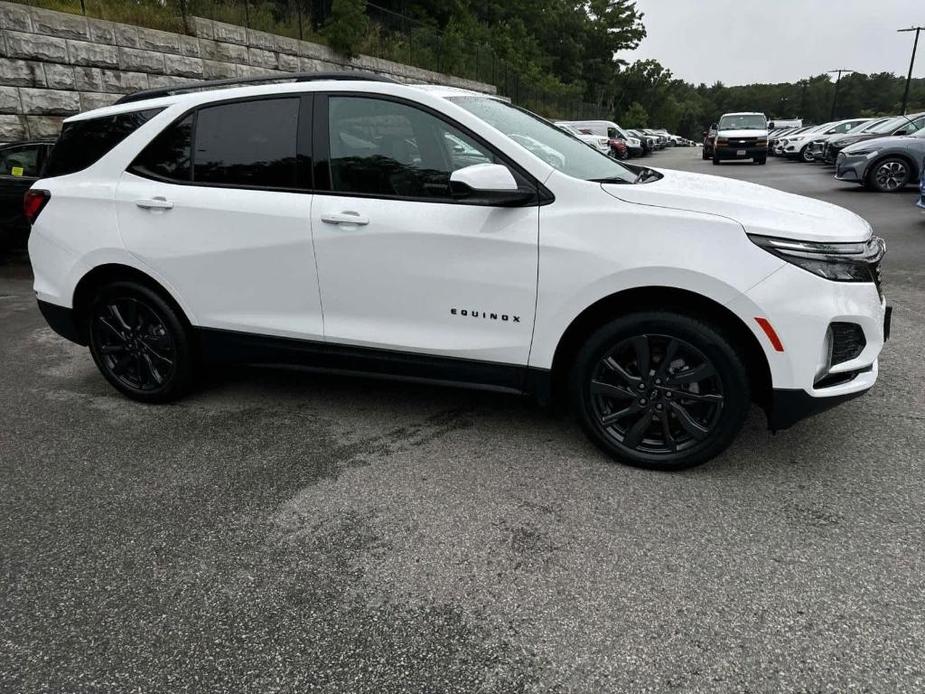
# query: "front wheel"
660,390
140,343
889,175
806,154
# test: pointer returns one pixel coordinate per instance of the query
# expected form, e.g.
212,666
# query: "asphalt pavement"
281,531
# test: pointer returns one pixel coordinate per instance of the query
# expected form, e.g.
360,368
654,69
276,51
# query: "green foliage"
635,116
688,109
347,26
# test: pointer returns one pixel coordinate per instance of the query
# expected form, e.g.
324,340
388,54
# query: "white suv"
429,232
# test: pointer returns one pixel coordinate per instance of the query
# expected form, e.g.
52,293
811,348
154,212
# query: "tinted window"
250,143
168,154
21,161
84,142
381,147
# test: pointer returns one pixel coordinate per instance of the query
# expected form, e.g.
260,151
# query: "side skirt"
227,346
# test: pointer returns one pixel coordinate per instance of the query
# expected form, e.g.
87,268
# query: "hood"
890,141
759,209
846,140
742,133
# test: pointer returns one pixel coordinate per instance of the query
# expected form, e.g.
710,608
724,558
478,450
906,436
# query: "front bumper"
732,152
851,168
787,407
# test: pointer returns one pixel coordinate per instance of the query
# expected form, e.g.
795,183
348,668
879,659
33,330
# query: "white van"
741,136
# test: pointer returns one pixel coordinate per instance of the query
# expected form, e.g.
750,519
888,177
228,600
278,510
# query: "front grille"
848,342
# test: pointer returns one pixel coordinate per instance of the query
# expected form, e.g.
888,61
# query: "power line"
915,45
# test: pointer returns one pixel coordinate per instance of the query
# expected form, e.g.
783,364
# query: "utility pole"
911,63
839,72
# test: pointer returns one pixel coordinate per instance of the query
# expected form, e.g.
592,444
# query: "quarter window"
84,142
384,148
247,143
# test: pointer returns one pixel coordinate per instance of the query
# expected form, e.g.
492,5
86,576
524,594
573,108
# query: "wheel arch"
662,298
107,273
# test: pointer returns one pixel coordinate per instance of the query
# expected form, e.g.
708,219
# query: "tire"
889,175
705,155
806,154
761,160
140,343
702,416
715,159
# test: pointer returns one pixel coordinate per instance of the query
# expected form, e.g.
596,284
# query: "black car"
20,165
891,127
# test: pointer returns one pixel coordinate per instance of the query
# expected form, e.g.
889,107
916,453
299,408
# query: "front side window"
384,148
561,151
247,143
21,162
84,142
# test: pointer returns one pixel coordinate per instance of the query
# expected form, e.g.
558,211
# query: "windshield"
743,122
558,149
919,133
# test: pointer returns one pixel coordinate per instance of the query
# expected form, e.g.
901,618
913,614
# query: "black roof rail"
354,75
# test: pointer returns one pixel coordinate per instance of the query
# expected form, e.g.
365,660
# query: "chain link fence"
389,35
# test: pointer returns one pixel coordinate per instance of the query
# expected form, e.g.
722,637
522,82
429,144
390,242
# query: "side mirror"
488,184
714,126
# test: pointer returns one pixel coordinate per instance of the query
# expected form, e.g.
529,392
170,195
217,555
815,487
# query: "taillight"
33,202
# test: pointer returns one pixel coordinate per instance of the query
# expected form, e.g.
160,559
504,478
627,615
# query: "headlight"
864,153
839,262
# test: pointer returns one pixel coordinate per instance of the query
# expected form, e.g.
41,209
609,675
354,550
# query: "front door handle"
346,217
156,203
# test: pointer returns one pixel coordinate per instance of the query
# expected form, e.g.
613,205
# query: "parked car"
921,202
741,136
20,165
661,141
800,146
209,225
818,142
898,125
709,142
776,145
884,164
602,144
647,142
613,132
833,144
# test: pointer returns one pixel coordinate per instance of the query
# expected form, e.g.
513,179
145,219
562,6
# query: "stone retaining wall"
54,64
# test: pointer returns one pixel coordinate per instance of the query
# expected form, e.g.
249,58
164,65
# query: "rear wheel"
889,175
660,390
715,158
140,343
705,154
761,160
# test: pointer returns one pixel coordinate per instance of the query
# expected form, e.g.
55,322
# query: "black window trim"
303,147
321,146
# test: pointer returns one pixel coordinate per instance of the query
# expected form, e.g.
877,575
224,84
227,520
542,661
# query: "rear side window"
84,142
249,143
21,162
169,155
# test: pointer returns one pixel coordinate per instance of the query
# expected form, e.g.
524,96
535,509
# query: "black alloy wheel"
139,343
661,391
889,175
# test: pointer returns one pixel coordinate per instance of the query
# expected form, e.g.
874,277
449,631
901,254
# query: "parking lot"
287,531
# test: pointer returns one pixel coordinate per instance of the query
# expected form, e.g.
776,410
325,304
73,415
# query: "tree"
346,27
635,116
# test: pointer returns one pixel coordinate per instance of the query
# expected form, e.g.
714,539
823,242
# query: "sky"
746,41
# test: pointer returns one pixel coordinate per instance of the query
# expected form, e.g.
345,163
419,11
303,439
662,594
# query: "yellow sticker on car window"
17,171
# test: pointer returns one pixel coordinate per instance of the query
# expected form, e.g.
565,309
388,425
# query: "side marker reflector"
770,332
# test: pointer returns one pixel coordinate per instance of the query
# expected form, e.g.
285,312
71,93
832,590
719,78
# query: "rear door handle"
155,204
346,217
